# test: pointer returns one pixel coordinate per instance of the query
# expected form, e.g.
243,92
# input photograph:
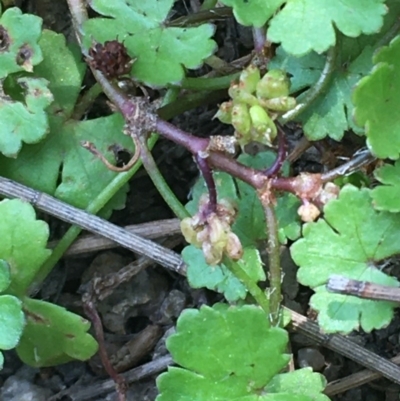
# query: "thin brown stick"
87,392
342,345
92,149
363,289
355,380
93,243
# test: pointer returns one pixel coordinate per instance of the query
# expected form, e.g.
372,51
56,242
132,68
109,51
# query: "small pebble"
310,357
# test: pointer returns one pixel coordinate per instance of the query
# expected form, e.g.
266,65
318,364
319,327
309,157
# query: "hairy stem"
274,269
159,182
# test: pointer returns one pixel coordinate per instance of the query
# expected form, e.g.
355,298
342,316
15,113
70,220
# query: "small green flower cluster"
211,231
256,103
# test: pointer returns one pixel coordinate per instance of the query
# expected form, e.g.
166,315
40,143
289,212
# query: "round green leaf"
350,240
12,321
225,353
53,335
376,100
312,28
23,243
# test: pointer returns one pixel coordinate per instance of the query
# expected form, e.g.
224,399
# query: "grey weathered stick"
153,230
103,387
345,347
164,256
362,289
354,380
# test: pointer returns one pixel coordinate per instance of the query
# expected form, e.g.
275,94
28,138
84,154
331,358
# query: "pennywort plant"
333,68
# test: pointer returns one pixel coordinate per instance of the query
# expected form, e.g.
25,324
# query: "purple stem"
192,143
94,317
209,180
281,157
259,39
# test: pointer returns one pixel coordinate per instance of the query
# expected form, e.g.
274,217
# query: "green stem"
189,102
256,292
94,207
202,16
159,182
207,4
209,84
274,268
86,101
319,88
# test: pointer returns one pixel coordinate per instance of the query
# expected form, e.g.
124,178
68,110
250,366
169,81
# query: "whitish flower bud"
280,104
217,235
308,212
212,255
273,84
241,119
224,113
249,79
188,231
328,193
233,247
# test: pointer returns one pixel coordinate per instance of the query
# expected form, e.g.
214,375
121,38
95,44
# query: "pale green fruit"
240,96
224,113
249,79
280,104
274,83
241,119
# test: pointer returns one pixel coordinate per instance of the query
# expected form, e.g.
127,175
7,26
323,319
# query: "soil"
144,309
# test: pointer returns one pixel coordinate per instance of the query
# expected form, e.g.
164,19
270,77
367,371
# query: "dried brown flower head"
112,59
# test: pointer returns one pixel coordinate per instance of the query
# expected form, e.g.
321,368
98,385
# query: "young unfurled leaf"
234,353
376,100
350,240
23,243
162,52
53,335
83,176
387,196
19,34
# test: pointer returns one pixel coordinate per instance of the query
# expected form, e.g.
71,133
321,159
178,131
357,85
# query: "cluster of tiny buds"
212,231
